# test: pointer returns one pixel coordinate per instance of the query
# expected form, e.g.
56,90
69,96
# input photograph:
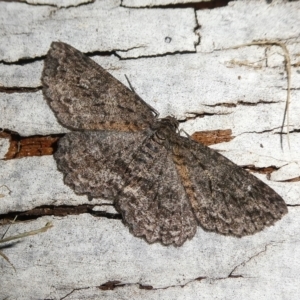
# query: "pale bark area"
59,3
180,69
151,3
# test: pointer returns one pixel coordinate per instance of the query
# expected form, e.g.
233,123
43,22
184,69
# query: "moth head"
170,122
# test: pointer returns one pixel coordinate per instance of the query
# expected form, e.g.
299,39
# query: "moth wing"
225,198
95,162
138,173
153,201
84,96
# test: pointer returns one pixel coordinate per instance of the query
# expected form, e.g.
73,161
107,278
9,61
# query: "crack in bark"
78,5
241,102
15,89
196,31
113,284
110,52
59,211
115,52
292,131
195,5
74,290
196,115
51,5
157,55
23,60
261,132
261,170
230,275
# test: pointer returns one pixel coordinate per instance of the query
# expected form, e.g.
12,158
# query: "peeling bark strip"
212,137
164,185
265,170
29,146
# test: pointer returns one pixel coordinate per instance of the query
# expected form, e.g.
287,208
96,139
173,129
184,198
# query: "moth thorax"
165,130
170,122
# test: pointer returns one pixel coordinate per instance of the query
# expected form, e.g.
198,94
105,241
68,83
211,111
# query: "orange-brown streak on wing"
186,182
153,202
117,126
225,198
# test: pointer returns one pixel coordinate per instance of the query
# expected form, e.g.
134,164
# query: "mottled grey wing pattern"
225,198
153,201
94,162
138,173
86,97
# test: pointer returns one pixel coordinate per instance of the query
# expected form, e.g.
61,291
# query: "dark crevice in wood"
24,60
145,287
196,5
195,115
285,133
100,53
235,276
245,103
263,170
11,90
110,285
57,211
186,52
241,102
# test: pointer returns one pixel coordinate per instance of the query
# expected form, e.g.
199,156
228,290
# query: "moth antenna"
156,113
129,83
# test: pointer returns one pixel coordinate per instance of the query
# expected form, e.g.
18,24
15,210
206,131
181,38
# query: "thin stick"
288,71
18,236
3,235
33,232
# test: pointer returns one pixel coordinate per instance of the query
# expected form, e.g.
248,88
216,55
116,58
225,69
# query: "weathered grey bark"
183,65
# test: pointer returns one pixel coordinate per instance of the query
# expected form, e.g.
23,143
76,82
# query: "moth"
163,184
